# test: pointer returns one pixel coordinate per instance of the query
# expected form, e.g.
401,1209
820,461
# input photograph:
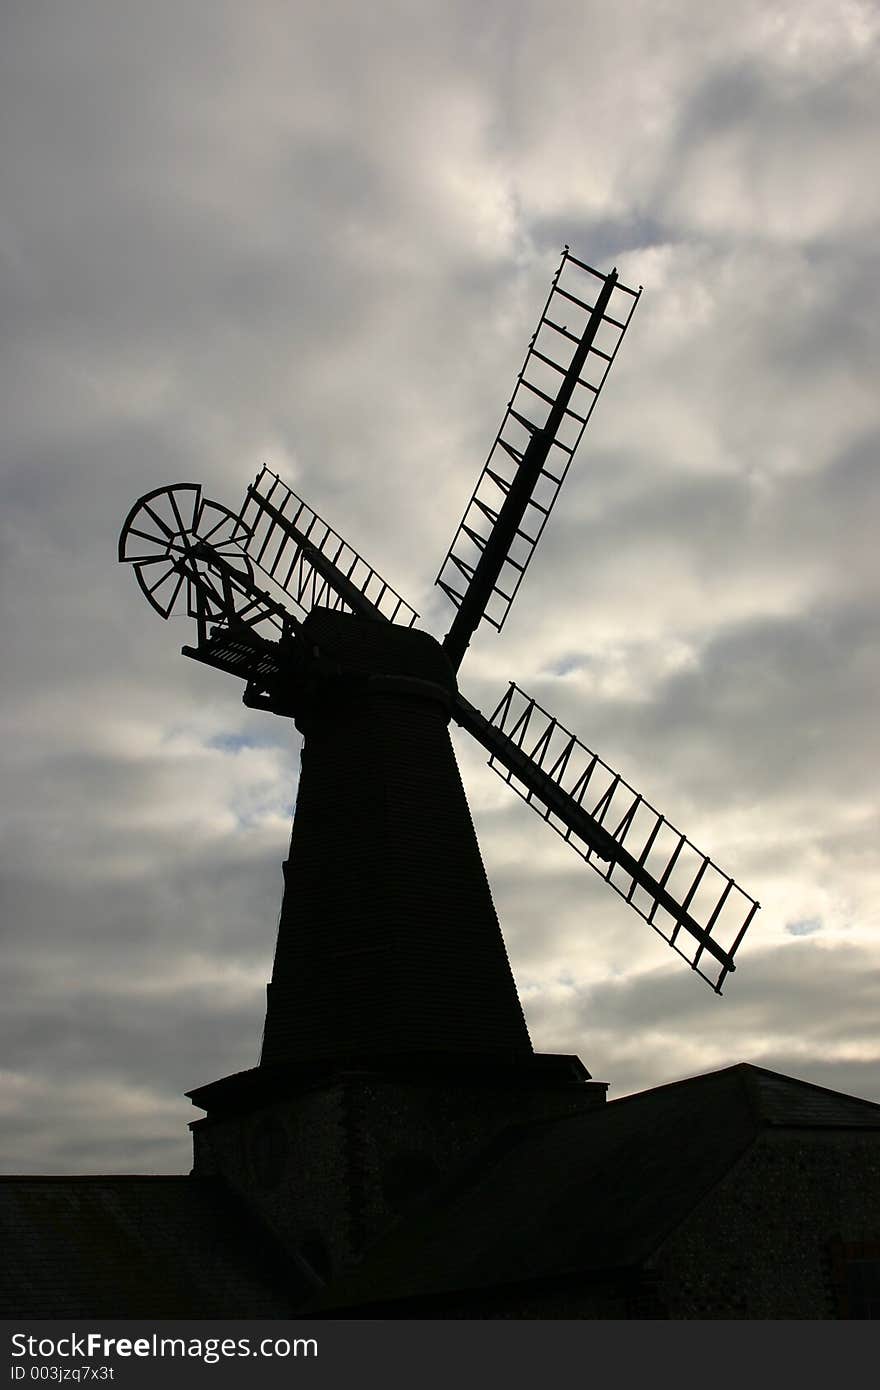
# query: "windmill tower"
394,1038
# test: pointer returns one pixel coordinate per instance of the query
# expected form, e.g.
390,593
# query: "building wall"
762,1243
772,1240
329,1169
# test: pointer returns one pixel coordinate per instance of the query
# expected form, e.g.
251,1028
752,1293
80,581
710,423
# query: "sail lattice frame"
653,850
574,293
283,529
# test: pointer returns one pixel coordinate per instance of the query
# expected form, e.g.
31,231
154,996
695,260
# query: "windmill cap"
387,654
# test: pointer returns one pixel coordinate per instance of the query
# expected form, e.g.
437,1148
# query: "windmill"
388,941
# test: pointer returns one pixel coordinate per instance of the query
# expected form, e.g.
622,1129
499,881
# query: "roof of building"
588,1193
123,1247
582,1196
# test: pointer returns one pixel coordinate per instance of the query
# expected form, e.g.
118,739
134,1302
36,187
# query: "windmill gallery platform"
401,1150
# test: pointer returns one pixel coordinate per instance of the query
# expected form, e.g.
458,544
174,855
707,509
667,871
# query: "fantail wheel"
162,536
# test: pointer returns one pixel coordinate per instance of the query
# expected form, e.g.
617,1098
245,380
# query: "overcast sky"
318,235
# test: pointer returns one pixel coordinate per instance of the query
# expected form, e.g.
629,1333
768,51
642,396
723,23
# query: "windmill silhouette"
388,941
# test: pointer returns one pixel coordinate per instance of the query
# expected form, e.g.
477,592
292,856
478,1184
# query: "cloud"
782,1012
804,928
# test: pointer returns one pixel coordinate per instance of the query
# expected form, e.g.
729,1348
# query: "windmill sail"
569,357
697,908
289,542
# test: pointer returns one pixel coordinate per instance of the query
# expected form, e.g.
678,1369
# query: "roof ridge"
811,1085
682,1081
747,1071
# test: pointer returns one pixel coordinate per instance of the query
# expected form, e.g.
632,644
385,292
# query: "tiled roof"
783,1100
591,1192
123,1247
